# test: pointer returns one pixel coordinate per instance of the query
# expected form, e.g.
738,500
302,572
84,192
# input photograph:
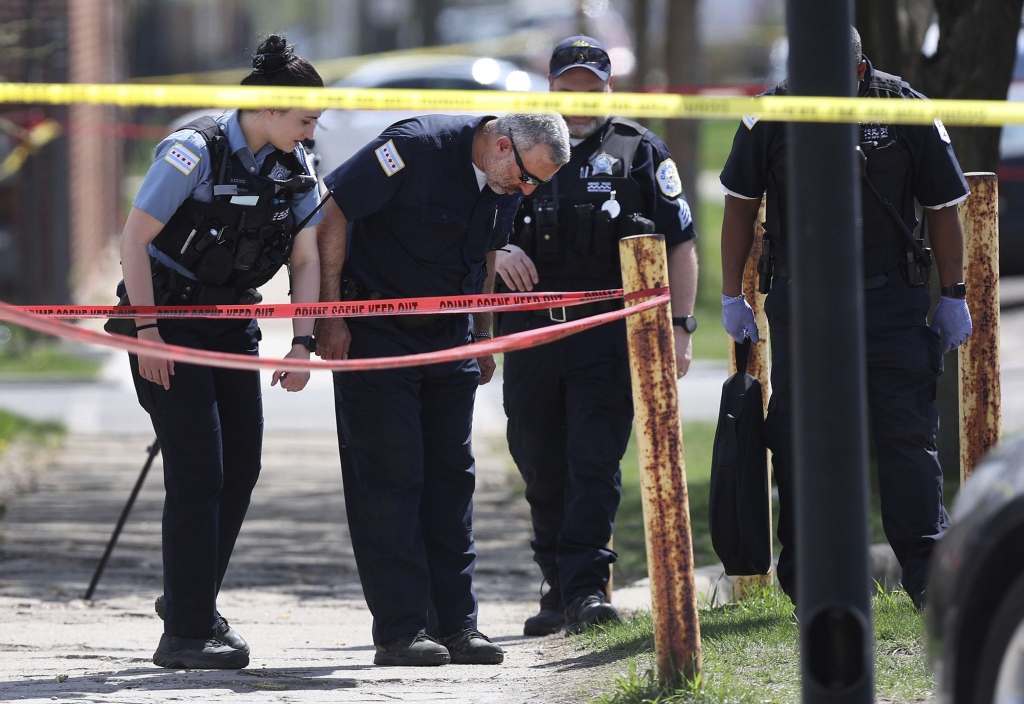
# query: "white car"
341,133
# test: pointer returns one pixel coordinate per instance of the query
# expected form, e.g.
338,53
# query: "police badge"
603,163
279,173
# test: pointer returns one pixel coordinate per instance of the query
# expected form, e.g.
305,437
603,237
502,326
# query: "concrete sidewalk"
292,591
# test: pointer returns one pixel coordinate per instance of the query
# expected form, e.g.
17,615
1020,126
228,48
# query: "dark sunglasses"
526,177
581,55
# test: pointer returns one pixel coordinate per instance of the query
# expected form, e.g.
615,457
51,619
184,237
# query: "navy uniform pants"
904,360
407,464
210,428
570,409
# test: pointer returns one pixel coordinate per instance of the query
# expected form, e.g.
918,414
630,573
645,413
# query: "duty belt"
567,314
870,282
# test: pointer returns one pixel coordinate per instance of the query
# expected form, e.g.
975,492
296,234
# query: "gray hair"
531,129
858,47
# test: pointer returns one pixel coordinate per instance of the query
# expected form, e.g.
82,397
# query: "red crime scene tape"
188,355
478,303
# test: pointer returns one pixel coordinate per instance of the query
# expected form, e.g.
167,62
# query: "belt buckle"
552,312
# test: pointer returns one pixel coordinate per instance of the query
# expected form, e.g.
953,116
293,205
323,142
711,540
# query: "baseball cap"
582,51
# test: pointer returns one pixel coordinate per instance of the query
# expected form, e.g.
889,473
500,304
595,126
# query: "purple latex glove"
952,320
738,318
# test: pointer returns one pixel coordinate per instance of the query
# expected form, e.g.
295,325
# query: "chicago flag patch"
389,159
181,158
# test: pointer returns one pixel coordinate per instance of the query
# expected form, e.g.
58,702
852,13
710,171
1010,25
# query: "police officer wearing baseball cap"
569,403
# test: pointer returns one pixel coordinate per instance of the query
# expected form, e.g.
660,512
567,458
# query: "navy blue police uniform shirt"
420,224
937,180
656,172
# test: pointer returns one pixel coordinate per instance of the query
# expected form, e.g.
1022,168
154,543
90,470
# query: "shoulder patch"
943,134
389,158
181,158
750,121
668,179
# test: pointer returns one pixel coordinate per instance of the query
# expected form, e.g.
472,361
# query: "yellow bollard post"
758,367
980,411
662,470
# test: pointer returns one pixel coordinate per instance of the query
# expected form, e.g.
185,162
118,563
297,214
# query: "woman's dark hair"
275,64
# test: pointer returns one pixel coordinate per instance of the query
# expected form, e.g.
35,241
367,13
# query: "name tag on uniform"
245,200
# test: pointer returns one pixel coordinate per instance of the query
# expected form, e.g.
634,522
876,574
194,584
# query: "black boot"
589,610
225,633
198,654
414,650
551,618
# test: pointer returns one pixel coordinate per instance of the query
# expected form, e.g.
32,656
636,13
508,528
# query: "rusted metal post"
980,412
659,438
758,367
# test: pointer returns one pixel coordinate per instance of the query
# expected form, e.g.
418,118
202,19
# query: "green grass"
698,444
13,426
25,353
750,654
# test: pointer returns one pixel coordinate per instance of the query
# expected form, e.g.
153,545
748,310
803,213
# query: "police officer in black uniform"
226,203
427,203
901,164
569,403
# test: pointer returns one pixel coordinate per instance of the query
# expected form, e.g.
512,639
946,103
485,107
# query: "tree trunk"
681,59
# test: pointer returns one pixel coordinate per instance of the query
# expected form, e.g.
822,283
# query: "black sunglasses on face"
525,176
581,55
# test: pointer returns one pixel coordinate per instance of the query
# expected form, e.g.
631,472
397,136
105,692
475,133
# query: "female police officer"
221,209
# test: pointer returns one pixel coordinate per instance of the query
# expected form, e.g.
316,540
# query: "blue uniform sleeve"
371,178
938,179
306,202
746,170
658,176
182,163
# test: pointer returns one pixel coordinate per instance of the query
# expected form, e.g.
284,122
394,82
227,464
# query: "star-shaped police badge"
603,163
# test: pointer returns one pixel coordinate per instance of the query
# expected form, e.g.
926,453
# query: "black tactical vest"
240,239
562,227
890,170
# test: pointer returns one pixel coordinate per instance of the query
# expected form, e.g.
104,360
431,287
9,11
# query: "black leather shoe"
589,610
225,633
411,651
551,618
471,647
198,654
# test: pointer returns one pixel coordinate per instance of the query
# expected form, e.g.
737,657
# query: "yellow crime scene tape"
652,105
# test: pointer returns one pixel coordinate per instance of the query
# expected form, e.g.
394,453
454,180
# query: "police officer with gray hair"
569,402
901,164
428,202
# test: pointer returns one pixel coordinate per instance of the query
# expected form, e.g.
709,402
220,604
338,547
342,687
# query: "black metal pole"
829,379
153,451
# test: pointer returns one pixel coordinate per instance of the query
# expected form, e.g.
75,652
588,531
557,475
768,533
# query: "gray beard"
584,132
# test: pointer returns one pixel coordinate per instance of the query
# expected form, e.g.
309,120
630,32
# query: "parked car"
340,133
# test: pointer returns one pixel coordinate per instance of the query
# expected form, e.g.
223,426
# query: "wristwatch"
307,341
481,335
954,291
687,323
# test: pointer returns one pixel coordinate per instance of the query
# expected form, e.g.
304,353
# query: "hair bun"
272,55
